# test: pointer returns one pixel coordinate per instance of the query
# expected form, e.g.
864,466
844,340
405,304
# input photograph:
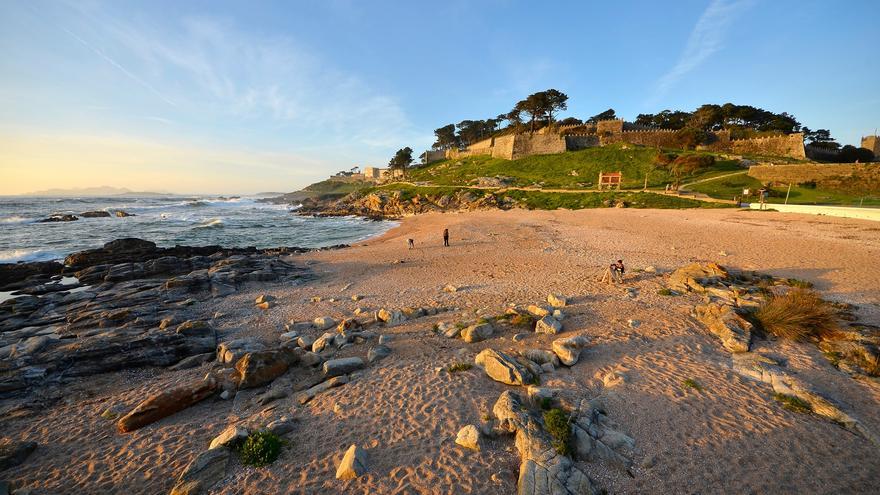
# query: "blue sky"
240,97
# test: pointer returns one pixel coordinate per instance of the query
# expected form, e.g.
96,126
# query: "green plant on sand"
691,383
456,367
557,423
261,448
792,403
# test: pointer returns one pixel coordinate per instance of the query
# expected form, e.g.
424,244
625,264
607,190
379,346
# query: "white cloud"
705,39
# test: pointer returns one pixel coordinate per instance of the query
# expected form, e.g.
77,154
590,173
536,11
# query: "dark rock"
14,453
95,214
165,404
13,274
59,218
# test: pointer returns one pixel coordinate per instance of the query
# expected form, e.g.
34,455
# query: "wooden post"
787,193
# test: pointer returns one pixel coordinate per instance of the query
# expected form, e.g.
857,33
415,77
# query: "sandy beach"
728,437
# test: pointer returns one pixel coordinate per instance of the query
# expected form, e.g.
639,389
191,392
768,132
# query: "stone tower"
873,144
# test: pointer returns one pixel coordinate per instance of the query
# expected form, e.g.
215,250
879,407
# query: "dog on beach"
411,243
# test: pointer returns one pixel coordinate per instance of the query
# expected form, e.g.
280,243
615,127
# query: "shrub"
665,292
522,320
260,449
557,423
691,383
456,367
801,284
792,403
546,403
799,314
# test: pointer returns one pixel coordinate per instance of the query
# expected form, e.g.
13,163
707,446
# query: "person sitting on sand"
617,271
445,237
411,243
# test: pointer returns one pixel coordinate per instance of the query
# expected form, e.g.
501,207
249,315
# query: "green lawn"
729,187
570,170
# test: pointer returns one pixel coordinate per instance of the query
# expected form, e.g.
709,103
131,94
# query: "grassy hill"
570,170
728,187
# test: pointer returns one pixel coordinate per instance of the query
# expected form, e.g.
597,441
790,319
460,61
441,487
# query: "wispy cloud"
706,38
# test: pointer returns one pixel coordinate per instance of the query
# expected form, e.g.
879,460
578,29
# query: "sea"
167,221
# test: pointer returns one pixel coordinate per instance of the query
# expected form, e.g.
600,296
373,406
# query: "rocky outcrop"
696,277
394,204
503,368
59,218
726,324
95,214
165,403
477,333
542,470
202,473
260,368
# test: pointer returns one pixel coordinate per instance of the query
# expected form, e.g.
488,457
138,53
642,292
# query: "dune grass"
799,314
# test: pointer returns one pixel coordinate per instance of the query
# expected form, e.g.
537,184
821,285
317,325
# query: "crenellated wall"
790,145
574,142
664,138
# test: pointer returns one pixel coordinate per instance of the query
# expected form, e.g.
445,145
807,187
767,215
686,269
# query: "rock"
542,470
260,368
548,368
270,395
450,288
616,439
59,218
195,328
232,350
541,356
323,341
520,337
549,325
280,427
266,305
356,297
390,317
696,277
95,214
469,437
226,395
231,436
448,330
723,322
348,325
310,393
477,333
633,323
613,378
193,361
264,298
14,453
557,301
384,339
165,403
113,412
289,336
377,353
353,465
539,311
568,349
202,473
342,366
298,326
305,342
502,368
650,269
123,214
310,359
558,314
324,322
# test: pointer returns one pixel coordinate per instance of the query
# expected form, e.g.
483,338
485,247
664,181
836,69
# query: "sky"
242,97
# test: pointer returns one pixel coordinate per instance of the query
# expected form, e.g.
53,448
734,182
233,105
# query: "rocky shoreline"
126,304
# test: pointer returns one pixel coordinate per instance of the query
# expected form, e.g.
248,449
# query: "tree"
606,115
820,138
554,101
514,118
445,137
850,153
707,118
402,159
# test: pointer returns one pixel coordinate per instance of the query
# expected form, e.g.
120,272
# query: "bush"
557,423
260,449
665,292
522,321
792,403
802,284
798,315
691,383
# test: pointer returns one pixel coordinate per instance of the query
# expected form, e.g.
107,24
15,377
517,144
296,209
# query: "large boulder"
503,368
557,300
568,349
260,368
468,437
696,277
477,333
390,317
724,322
549,325
166,403
541,356
542,470
342,366
232,435
202,473
353,465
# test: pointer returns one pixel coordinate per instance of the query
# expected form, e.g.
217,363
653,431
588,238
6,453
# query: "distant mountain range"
100,191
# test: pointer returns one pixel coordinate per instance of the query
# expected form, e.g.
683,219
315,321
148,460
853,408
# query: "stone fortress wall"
807,172
514,146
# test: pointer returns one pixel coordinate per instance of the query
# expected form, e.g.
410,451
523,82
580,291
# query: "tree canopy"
606,115
402,159
739,119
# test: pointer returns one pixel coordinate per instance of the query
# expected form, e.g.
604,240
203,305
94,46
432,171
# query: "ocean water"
167,221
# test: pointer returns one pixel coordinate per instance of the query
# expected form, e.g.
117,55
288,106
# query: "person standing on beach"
445,237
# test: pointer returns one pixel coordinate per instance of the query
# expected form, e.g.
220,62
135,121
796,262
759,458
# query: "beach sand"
730,437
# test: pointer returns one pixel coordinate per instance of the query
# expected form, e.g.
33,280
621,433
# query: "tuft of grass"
792,403
522,320
456,367
261,448
798,315
833,357
557,423
461,326
665,292
691,383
